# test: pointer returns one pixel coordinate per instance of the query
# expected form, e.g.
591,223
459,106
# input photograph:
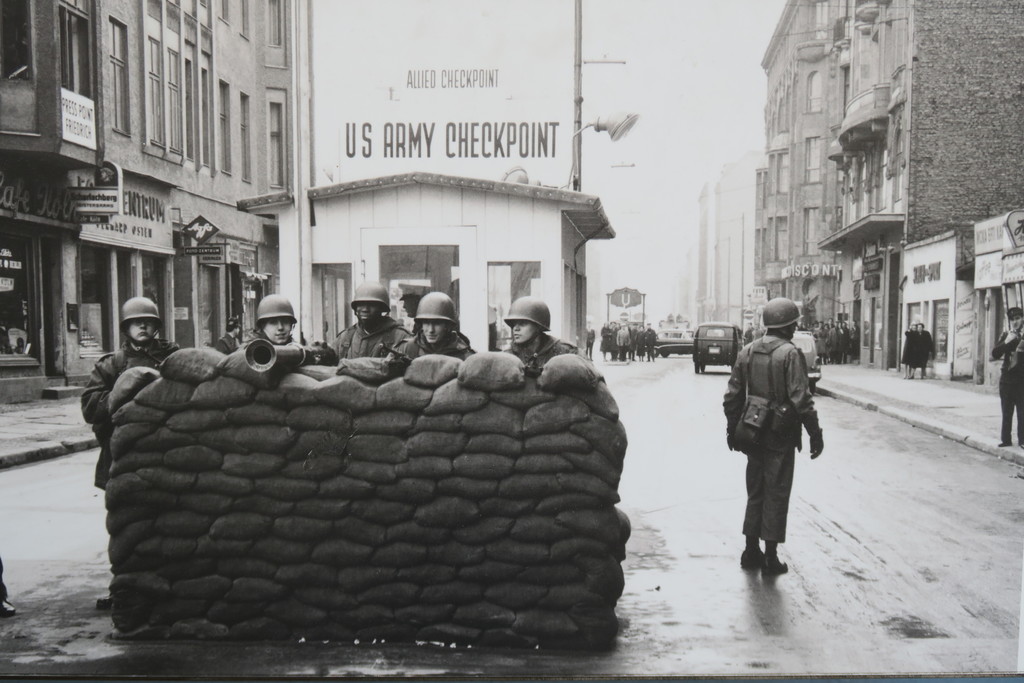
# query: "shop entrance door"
413,261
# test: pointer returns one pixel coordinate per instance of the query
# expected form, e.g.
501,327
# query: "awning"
866,229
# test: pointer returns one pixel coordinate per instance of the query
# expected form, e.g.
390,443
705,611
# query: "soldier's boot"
772,565
752,557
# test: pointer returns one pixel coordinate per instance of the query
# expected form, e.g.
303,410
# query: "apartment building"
178,107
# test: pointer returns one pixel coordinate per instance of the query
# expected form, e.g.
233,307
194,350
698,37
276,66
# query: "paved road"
905,552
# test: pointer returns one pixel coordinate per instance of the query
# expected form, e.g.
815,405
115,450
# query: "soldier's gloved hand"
817,444
729,441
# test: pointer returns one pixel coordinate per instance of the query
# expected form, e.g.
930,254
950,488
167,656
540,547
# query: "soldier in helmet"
773,368
437,330
374,328
530,320
275,320
140,325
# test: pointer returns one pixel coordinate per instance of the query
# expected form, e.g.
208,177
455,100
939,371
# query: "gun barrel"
261,355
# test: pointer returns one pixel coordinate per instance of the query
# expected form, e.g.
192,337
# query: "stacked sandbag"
461,503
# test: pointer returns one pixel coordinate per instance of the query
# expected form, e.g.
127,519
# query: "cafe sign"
140,223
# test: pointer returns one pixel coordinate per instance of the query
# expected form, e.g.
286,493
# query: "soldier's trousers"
769,481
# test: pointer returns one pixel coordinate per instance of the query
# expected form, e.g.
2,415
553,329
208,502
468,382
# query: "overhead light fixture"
616,125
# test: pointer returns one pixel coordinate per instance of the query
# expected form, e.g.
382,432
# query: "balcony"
812,50
866,120
866,229
867,11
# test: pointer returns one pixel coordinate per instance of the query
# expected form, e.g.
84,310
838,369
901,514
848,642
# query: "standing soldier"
773,368
530,320
140,324
229,342
436,330
374,328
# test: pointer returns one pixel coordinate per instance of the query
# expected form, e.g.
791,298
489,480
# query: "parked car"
805,342
716,343
674,340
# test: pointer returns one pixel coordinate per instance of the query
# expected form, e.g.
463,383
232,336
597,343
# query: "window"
74,51
812,160
155,93
225,127
781,238
770,254
780,171
94,309
940,330
244,6
814,92
410,271
506,282
243,134
821,27
15,283
15,32
275,22
174,99
205,115
190,104
760,196
225,10
812,217
275,125
119,76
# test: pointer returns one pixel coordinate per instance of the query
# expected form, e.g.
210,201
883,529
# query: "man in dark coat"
229,342
374,328
1011,380
773,368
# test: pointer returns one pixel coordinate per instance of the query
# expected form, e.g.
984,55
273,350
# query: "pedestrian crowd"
836,341
628,341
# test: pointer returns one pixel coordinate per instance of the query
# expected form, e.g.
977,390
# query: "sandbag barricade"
463,503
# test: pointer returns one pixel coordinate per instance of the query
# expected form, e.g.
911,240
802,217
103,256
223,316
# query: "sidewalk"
39,430
960,411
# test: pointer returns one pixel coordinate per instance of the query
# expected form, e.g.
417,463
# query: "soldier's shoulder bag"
756,418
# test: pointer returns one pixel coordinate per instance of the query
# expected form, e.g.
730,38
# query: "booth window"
94,310
410,271
506,282
15,311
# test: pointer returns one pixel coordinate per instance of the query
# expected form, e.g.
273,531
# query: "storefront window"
15,321
335,281
506,282
125,290
940,329
209,329
410,271
154,274
94,311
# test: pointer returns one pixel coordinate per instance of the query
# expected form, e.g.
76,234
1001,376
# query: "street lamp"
616,125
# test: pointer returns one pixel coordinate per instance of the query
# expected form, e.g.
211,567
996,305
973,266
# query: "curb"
46,450
980,443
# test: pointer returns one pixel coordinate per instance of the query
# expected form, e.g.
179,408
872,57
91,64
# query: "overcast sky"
692,72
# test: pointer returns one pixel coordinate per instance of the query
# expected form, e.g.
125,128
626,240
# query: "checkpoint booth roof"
483,242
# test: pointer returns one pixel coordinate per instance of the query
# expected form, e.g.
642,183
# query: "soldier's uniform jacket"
455,344
354,342
549,348
788,370
94,399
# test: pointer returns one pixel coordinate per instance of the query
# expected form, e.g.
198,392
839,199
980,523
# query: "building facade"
733,240
171,111
797,192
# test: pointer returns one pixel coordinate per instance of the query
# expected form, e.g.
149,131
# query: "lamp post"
616,125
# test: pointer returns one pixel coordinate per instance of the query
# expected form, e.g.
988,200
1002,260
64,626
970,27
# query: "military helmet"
780,312
139,308
531,309
436,306
372,293
274,306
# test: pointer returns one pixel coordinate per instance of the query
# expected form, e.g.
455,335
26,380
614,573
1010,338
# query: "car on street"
716,343
674,340
805,342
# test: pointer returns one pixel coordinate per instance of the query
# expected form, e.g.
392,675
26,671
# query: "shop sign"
988,270
872,281
243,255
211,254
445,100
1015,228
141,222
811,270
78,119
759,295
989,234
200,229
33,197
873,265
1013,268
928,273
97,195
